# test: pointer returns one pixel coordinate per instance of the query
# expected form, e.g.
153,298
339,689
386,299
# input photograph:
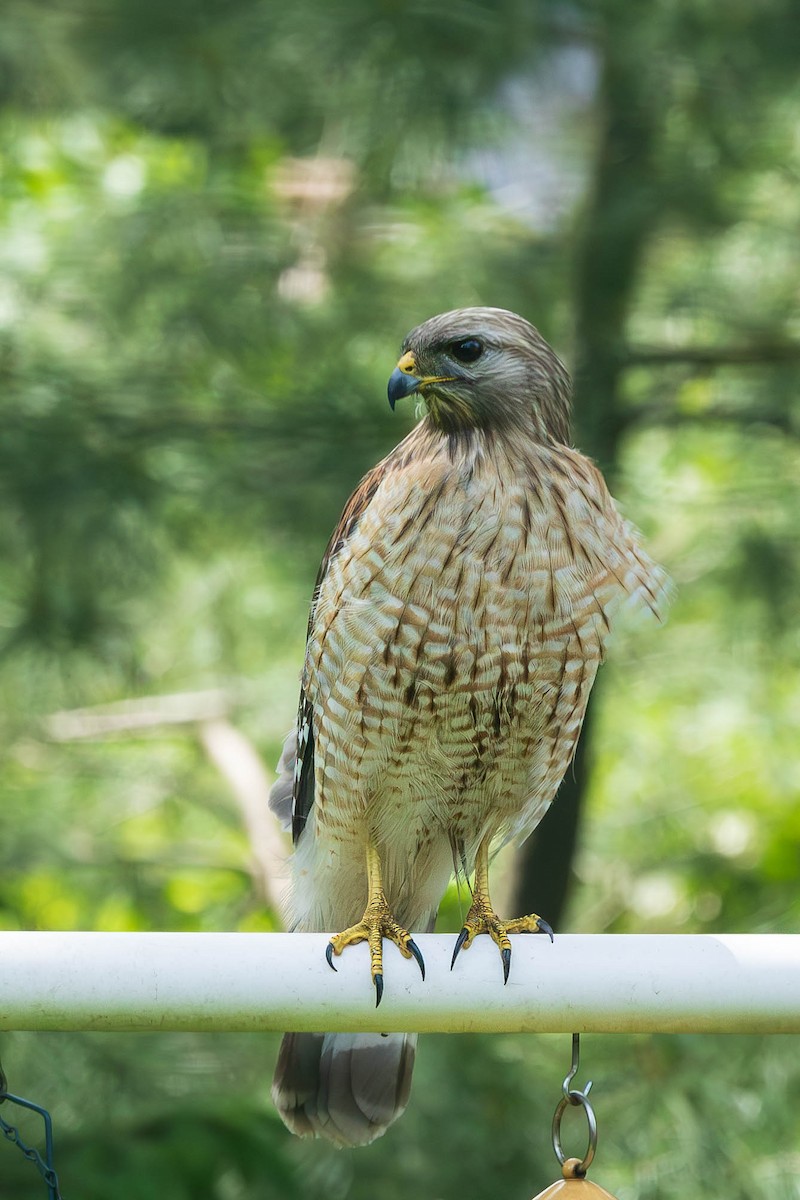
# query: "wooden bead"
573,1186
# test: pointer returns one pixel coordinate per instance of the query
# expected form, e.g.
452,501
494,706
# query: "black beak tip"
400,385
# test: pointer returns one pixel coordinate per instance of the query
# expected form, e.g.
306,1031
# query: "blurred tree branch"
672,418
231,752
757,354
240,764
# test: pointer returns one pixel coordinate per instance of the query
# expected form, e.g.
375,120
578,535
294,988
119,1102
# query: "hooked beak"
403,381
401,385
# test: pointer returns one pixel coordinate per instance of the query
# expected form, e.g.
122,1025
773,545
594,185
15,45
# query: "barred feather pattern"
461,612
453,644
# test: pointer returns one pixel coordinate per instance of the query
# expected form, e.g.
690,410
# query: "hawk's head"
485,368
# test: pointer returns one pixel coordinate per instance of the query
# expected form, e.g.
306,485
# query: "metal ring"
575,1098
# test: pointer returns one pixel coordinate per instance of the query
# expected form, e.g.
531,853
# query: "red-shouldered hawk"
457,624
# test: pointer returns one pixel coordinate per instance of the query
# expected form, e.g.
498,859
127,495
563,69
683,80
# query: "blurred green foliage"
218,222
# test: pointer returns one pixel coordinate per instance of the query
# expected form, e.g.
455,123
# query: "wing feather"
303,787
302,766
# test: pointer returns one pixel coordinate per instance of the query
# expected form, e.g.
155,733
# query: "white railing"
738,983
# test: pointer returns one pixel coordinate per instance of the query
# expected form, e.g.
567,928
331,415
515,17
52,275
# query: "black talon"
462,937
545,928
329,955
378,981
415,950
506,957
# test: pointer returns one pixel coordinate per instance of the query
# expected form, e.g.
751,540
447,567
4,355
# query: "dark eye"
467,350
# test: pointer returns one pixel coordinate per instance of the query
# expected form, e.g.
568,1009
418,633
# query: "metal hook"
576,1062
574,1097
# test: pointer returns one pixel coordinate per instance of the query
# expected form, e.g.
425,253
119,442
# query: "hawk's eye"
467,350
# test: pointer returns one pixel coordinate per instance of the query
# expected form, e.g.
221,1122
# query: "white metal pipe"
743,983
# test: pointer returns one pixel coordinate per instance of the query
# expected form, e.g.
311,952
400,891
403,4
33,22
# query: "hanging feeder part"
10,1132
574,1185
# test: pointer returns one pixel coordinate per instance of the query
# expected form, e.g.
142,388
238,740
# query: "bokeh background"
217,222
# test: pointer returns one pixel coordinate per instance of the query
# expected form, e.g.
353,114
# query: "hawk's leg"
377,923
482,918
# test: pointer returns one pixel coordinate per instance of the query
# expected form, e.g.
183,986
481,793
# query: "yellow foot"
376,924
482,918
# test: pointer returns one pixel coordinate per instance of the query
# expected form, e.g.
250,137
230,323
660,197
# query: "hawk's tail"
347,1087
